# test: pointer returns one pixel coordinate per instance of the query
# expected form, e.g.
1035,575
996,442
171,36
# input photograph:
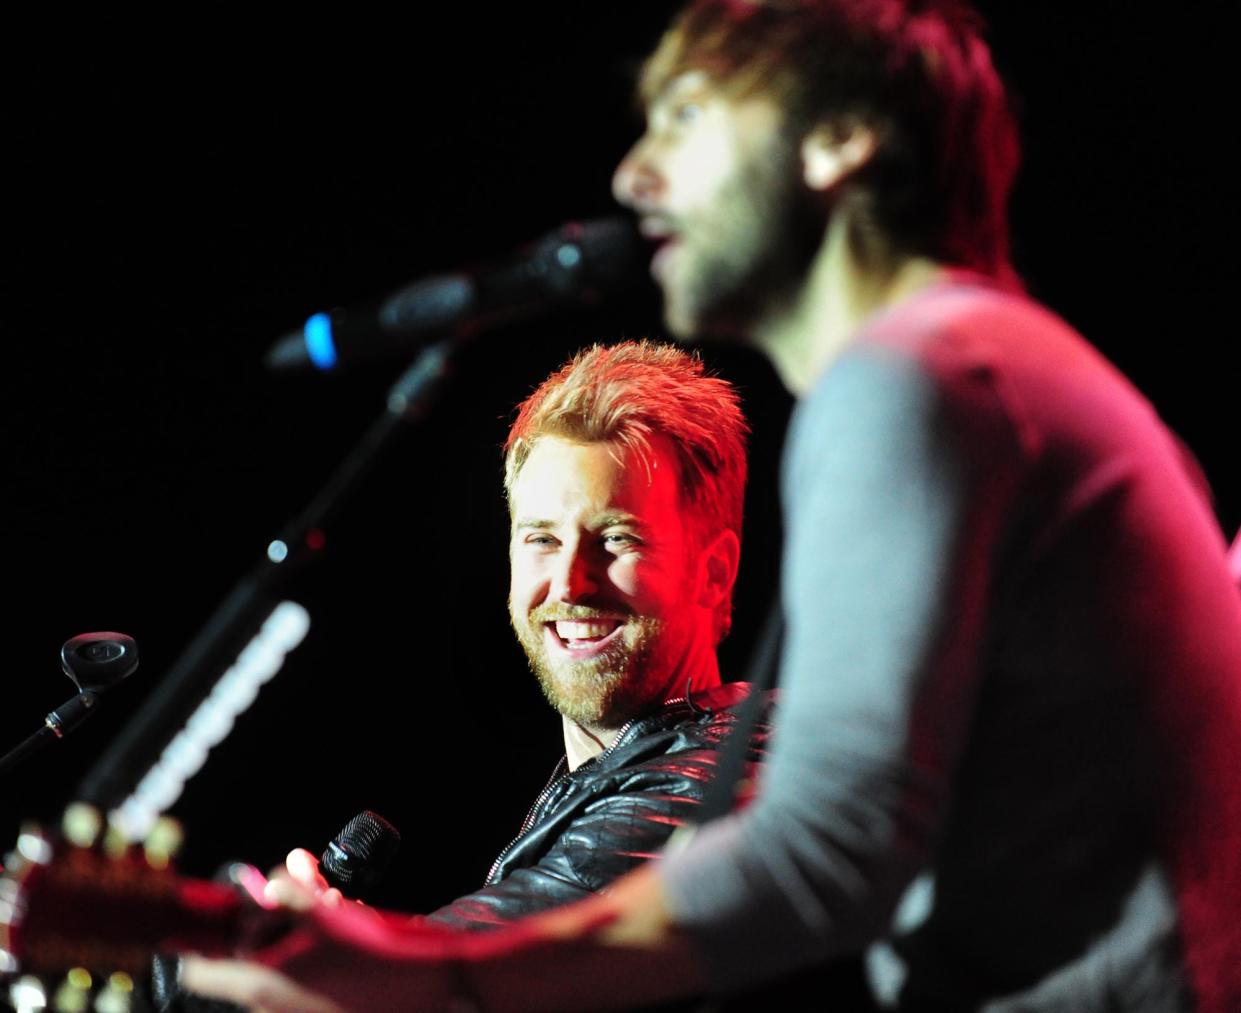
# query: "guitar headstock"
86,899
78,991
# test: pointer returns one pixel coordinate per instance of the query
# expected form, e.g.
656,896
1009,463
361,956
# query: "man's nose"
577,577
637,183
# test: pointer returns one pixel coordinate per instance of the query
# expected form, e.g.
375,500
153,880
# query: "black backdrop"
172,206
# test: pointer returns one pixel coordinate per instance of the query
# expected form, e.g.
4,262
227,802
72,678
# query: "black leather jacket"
586,828
591,825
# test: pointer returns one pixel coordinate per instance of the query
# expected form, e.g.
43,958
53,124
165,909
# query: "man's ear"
718,568
831,154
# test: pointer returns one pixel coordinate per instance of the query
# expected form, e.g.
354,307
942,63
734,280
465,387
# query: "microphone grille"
612,252
360,853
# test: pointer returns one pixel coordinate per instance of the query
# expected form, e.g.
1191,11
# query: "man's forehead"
618,475
704,87
693,81
568,459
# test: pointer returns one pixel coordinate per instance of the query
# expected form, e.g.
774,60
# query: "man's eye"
619,540
541,541
685,113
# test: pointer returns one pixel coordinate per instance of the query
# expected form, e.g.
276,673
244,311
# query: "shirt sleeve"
873,709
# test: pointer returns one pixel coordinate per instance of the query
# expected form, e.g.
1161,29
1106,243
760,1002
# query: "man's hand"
338,957
299,884
251,986
296,886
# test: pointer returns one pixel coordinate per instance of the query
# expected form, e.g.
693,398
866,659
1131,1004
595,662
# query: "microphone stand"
56,725
251,603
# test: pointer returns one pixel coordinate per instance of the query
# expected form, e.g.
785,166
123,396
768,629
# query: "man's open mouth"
663,252
662,238
584,635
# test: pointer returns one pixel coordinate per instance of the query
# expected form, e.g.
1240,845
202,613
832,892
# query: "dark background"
171,208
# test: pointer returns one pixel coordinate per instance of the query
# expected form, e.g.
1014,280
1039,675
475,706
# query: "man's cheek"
524,587
628,578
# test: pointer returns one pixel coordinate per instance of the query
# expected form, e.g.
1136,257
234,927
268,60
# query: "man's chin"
678,323
585,697
695,323
608,687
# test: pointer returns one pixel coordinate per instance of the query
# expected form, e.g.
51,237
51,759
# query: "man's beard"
626,679
752,254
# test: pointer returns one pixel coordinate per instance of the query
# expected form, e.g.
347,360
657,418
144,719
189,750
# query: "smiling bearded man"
625,487
625,474
602,584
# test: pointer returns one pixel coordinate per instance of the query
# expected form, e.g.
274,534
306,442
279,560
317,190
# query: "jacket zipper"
556,777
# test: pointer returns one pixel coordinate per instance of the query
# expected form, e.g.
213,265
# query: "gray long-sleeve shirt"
1012,679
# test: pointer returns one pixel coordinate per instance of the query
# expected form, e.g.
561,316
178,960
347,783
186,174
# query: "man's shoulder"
723,697
628,799
1005,374
715,707
695,726
966,322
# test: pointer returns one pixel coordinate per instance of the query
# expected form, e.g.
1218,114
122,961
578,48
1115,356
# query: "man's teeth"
584,630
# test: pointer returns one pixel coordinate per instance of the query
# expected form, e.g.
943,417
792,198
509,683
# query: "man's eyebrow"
688,82
532,523
611,518
616,518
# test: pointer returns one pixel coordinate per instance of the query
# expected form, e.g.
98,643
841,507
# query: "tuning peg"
117,995
33,844
81,824
27,994
73,994
163,842
115,843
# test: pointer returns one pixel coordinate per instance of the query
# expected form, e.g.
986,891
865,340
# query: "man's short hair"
631,392
916,71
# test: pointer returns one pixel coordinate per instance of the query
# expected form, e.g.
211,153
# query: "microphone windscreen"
360,854
612,248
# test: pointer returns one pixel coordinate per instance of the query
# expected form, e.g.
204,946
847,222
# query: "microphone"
98,661
579,262
95,662
352,862
357,857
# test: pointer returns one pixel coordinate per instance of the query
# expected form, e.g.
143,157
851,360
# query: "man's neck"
584,742
843,289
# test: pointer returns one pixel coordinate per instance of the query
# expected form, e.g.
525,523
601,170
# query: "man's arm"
613,951
598,838
614,835
878,674
608,819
